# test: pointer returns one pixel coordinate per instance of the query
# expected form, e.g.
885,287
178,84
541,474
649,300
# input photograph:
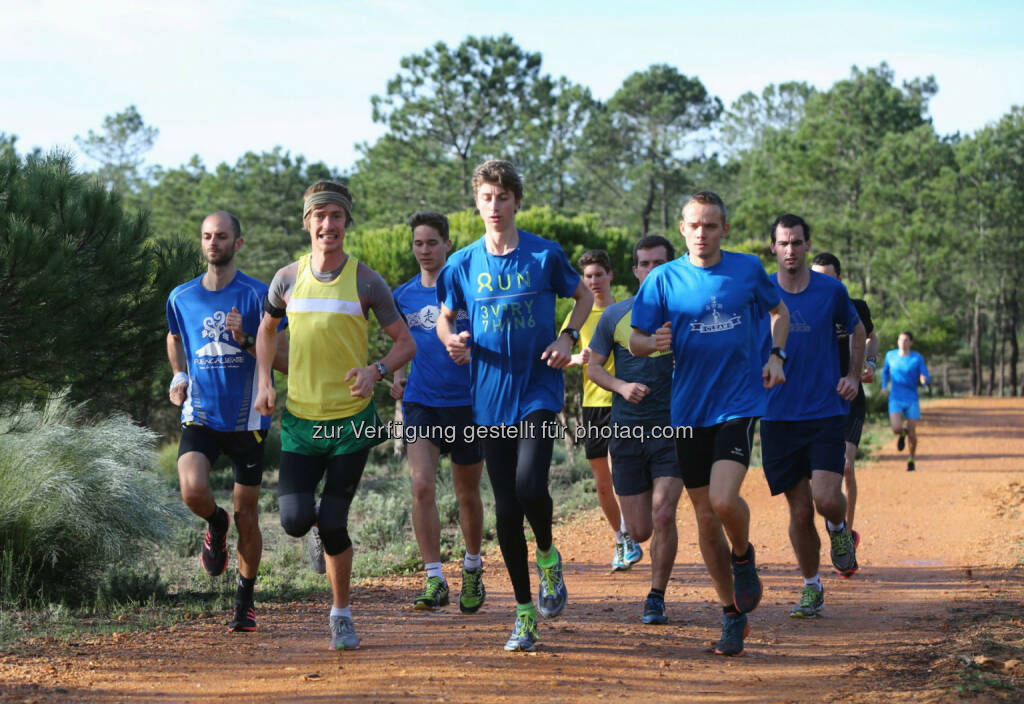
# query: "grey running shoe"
472,596
812,602
734,629
434,596
524,634
746,585
552,594
634,553
844,552
654,611
315,550
343,634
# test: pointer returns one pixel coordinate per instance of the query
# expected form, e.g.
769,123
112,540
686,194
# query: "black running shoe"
902,442
245,617
746,585
214,557
910,466
734,629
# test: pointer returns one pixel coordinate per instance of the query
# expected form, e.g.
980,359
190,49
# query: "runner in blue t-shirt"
212,321
705,307
645,472
906,369
507,281
438,419
803,432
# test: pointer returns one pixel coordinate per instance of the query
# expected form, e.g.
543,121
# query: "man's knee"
247,518
664,517
297,514
423,490
336,539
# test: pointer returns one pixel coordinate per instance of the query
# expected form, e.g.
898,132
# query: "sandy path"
941,551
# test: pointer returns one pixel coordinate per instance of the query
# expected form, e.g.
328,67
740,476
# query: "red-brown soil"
934,615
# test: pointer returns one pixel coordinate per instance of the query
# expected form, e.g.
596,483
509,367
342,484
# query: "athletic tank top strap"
328,337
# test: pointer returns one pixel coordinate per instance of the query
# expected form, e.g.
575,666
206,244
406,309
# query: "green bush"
128,585
76,496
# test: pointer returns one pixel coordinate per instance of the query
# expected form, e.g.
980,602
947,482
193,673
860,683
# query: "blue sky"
221,78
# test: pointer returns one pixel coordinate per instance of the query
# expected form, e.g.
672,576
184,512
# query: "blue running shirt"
511,304
812,367
716,336
434,379
222,381
904,373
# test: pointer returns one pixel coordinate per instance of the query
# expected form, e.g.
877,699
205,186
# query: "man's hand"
847,386
458,347
365,378
580,358
177,394
885,390
398,389
558,353
265,399
634,392
772,373
868,375
234,324
663,337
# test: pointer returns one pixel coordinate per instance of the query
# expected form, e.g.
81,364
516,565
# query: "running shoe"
434,596
315,551
472,596
910,465
812,602
902,442
746,585
734,629
552,594
245,617
844,552
214,556
634,553
524,634
654,611
343,634
619,558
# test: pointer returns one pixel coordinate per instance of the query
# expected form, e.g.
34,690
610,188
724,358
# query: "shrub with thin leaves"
78,497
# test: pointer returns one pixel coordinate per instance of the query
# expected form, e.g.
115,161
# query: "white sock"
345,611
434,570
618,537
833,528
814,581
622,522
472,562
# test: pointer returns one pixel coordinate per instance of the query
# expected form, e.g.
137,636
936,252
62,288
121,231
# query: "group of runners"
709,344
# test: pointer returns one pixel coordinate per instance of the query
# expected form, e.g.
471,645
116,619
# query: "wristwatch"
573,333
250,341
381,369
779,352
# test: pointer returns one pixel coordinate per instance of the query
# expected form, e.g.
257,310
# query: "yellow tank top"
327,338
593,395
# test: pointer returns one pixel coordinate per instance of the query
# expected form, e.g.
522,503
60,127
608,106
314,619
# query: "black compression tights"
518,469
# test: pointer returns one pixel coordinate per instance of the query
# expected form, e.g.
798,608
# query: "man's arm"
403,349
643,344
457,345
559,353
772,373
179,365
401,378
266,349
848,385
631,391
870,358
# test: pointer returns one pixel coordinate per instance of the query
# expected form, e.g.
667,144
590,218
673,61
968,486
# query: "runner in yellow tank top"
324,426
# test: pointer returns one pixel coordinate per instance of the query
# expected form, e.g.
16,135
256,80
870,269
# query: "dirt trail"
940,557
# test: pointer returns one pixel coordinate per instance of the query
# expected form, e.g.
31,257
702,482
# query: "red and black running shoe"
214,557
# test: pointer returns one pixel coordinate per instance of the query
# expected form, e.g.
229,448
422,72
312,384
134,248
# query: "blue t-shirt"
222,380
511,304
812,365
904,373
716,339
434,379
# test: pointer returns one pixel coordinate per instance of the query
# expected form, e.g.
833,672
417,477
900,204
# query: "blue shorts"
451,428
791,449
911,410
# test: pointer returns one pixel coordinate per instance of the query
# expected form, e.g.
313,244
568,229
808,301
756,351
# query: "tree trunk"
568,436
946,391
992,352
1011,332
976,348
645,214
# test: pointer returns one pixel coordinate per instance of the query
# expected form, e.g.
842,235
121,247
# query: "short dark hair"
826,259
501,173
595,256
707,198
908,334
790,220
650,242
432,218
236,226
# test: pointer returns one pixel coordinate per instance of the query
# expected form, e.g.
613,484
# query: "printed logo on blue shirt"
713,321
218,352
